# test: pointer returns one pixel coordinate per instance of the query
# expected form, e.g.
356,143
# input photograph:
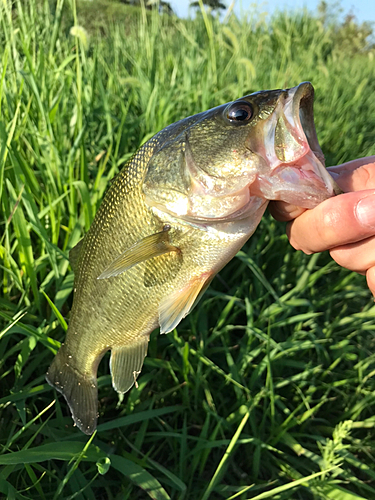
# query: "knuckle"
326,225
340,256
366,175
347,257
321,230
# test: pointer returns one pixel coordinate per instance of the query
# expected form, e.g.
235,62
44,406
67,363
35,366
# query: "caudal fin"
80,391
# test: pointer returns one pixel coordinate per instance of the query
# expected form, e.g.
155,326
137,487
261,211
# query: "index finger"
346,218
284,212
354,176
349,166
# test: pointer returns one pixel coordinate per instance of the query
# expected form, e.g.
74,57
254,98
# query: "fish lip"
296,160
309,172
303,112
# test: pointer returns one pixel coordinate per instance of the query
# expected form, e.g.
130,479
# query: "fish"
178,211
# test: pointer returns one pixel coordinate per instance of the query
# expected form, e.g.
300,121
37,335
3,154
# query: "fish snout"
303,111
299,112
293,162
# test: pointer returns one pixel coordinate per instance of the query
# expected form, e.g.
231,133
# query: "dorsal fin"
74,255
178,305
147,248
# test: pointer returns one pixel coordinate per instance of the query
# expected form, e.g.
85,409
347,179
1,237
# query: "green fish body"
178,211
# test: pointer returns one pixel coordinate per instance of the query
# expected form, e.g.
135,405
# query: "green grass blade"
140,477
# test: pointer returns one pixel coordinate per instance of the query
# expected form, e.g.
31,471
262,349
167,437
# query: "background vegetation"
266,390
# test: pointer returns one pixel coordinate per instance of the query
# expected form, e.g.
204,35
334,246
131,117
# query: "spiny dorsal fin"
150,246
126,364
178,305
74,255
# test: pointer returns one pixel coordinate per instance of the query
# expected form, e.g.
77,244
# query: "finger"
349,166
357,257
370,277
284,212
355,179
341,220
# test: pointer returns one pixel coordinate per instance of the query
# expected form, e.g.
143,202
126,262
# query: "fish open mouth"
296,173
303,108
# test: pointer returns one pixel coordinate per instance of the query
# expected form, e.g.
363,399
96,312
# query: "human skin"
343,225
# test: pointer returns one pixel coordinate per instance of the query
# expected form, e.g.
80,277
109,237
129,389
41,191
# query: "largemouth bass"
178,211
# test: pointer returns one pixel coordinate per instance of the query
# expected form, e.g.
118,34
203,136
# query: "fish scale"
179,210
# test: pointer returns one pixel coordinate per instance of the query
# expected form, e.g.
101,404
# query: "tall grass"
266,390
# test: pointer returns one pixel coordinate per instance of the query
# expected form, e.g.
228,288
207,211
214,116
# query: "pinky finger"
370,277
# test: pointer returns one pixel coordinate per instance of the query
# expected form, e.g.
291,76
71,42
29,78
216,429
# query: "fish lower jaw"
297,184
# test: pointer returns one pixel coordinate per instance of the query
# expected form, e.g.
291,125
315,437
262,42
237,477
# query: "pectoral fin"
178,305
126,364
147,248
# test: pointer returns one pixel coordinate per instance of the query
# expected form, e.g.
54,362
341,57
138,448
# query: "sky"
364,10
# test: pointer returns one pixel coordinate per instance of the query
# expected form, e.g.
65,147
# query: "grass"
266,390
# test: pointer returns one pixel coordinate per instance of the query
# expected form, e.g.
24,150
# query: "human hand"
344,224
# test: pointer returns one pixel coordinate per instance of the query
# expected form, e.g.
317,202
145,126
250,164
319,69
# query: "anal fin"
126,364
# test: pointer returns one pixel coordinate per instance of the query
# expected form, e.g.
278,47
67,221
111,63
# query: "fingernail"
365,211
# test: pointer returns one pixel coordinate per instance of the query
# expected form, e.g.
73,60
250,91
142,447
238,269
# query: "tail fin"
80,391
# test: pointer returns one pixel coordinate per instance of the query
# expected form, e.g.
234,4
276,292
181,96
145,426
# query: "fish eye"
240,112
